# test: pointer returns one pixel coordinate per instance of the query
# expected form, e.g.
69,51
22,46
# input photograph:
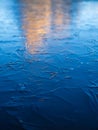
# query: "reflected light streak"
8,21
61,18
39,16
87,14
36,23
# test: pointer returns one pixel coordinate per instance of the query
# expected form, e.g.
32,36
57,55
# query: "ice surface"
48,64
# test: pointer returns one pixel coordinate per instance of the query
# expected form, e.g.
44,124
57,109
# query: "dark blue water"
48,64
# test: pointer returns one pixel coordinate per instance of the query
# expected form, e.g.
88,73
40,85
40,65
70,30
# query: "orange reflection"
36,22
62,15
61,18
38,17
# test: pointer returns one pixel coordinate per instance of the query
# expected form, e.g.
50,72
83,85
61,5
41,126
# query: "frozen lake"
48,65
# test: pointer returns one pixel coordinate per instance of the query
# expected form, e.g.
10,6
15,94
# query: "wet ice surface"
48,64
